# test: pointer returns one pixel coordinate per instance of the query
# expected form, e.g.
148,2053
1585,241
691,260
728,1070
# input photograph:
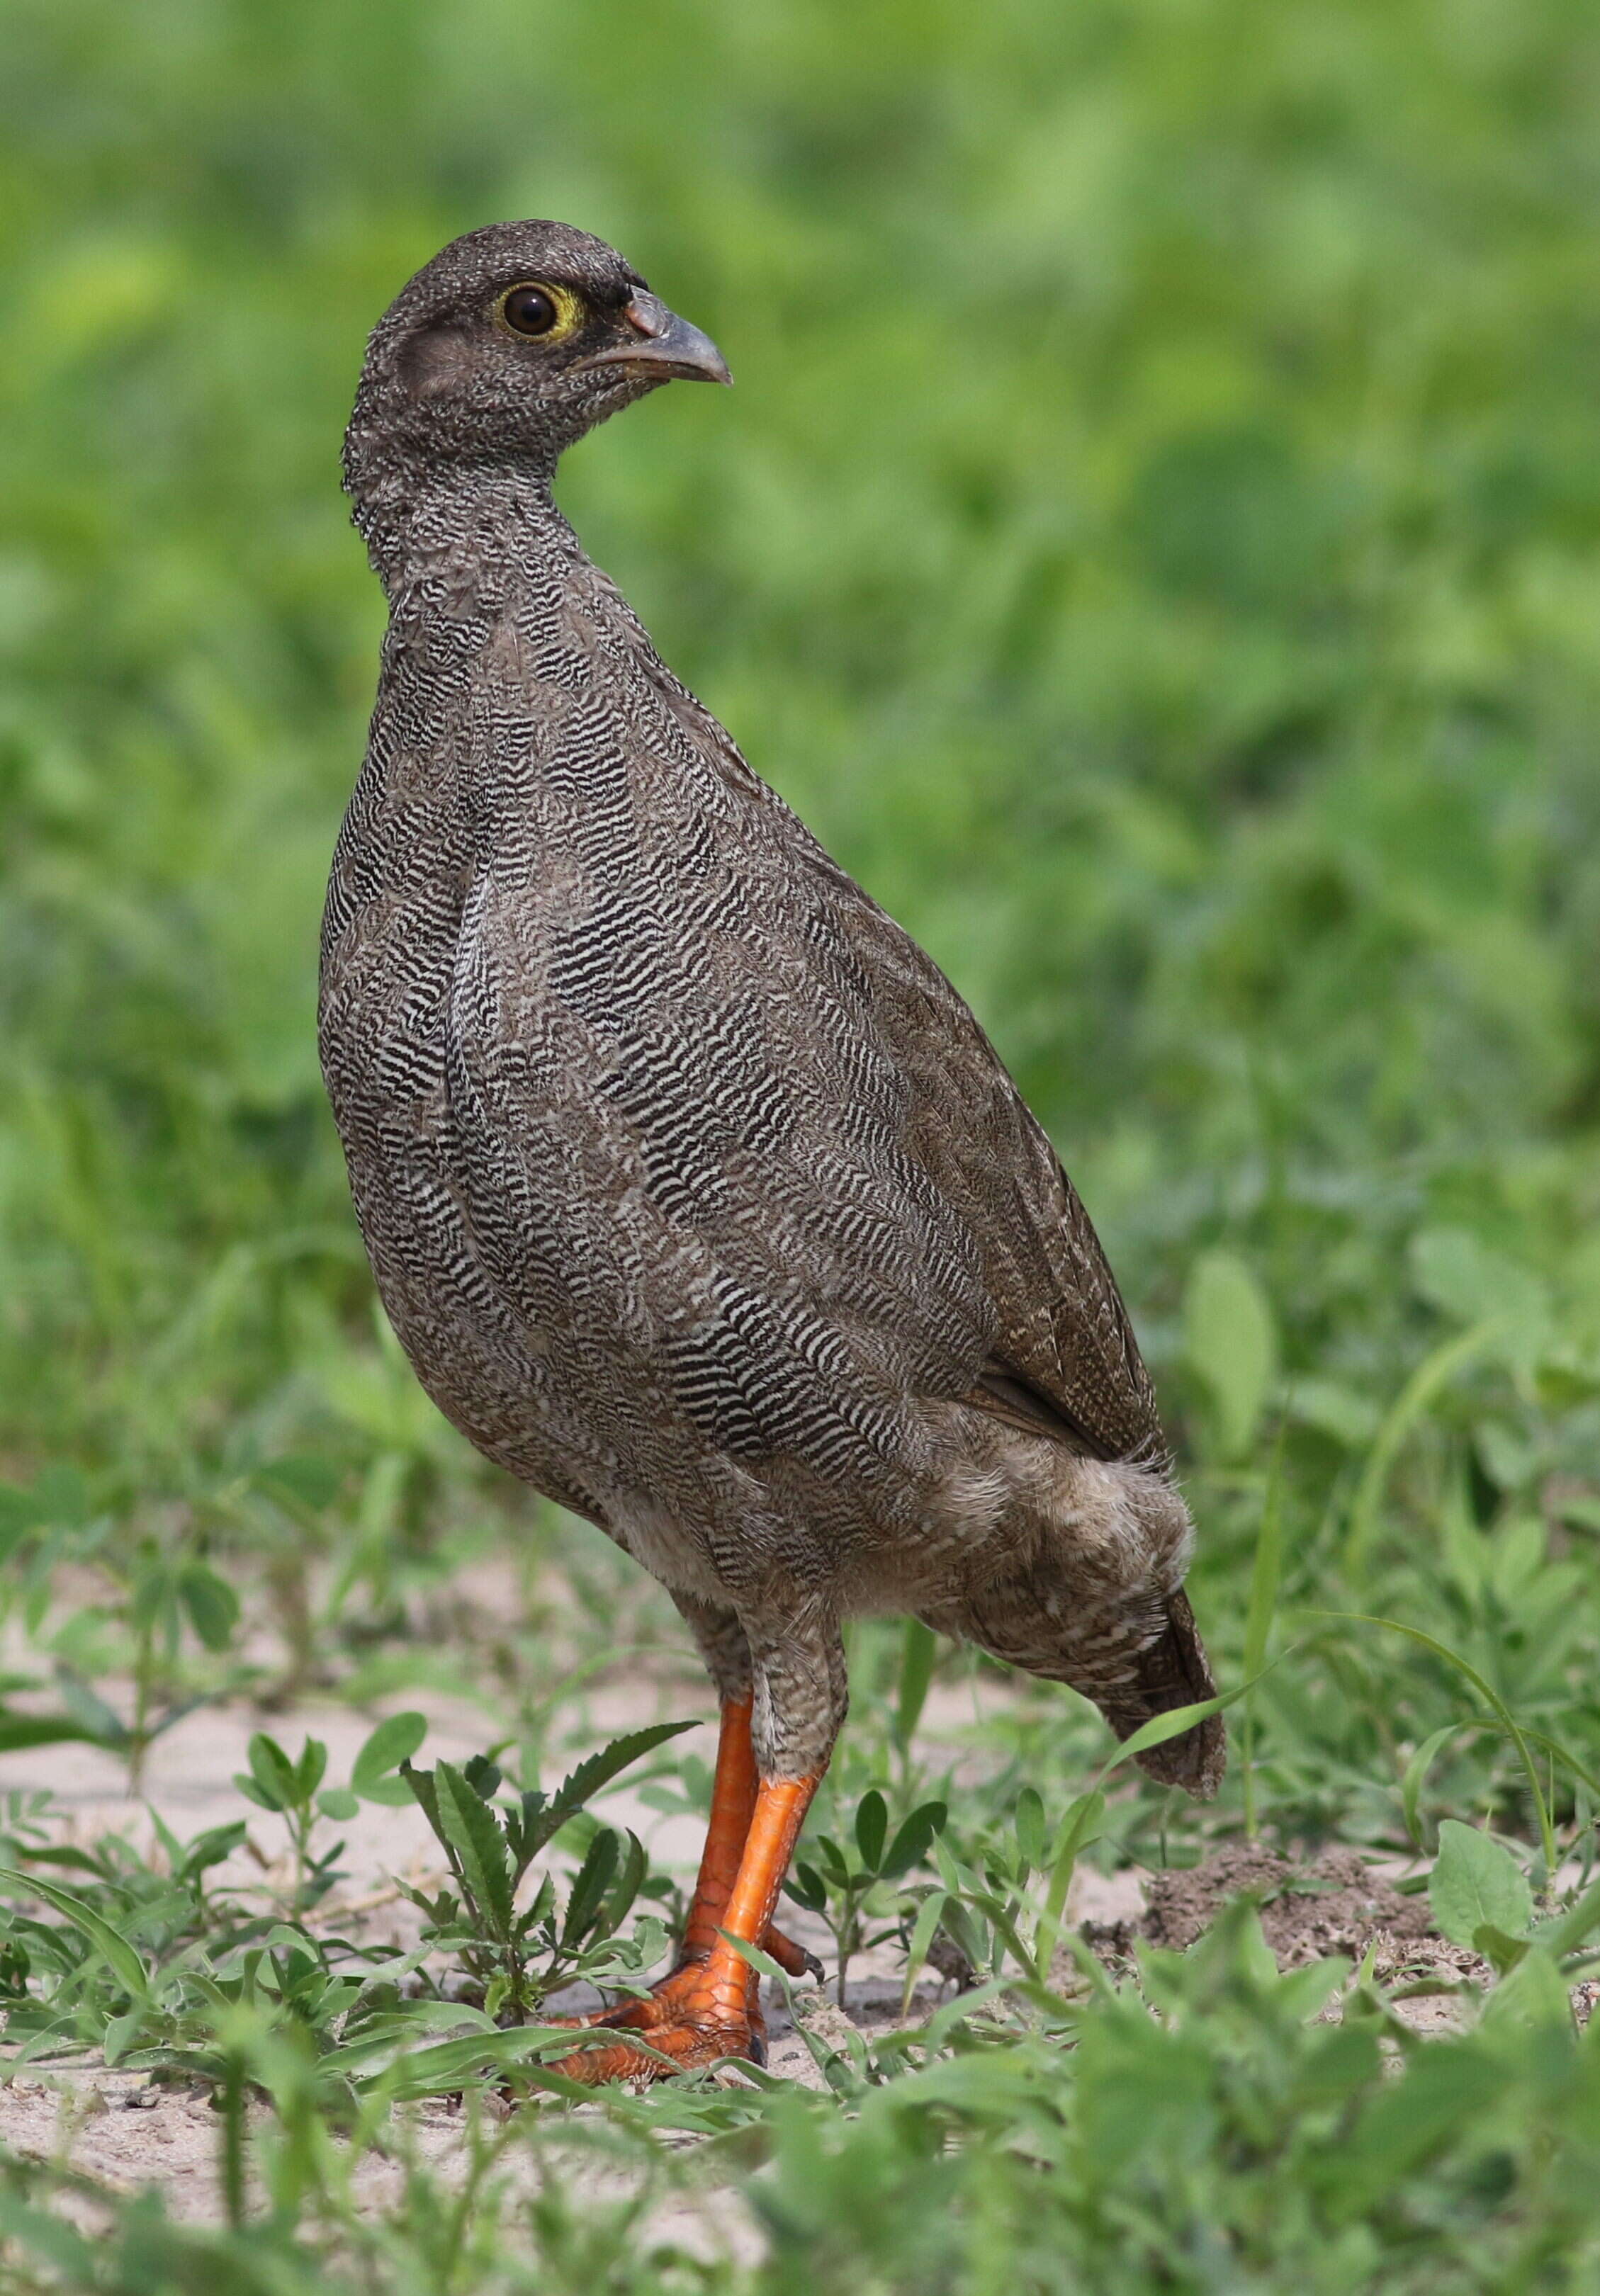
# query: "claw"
793,1960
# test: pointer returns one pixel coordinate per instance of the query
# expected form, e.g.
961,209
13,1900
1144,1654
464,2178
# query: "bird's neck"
466,545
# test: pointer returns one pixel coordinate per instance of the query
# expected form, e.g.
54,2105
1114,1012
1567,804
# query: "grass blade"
130,1969
1431,1375
1491,1698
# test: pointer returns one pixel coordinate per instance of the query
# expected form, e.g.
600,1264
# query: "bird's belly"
519,1262
576,1175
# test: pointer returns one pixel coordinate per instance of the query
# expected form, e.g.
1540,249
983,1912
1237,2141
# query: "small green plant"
162,1586
294,1791
838,1882
1481,1898
518,1956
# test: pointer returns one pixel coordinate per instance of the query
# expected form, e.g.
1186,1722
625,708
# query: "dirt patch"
1334,1903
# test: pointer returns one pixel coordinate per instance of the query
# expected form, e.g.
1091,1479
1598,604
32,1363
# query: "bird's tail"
1174,1671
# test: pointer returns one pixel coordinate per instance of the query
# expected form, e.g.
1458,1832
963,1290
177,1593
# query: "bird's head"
512,343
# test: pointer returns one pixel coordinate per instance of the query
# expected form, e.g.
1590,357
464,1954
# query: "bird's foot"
660,2006
692,2017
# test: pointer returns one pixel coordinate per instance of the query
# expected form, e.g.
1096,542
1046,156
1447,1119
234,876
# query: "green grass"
1154,542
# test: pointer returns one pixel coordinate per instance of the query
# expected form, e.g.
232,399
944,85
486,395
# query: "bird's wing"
1062,1352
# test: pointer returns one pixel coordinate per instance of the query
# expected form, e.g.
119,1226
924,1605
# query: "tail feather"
1173,1672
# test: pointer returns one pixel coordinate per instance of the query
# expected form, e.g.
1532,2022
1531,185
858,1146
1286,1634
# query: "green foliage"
1228,1339
294,1791
838,1882
1476,1882
153,1973
489,1850
1153,542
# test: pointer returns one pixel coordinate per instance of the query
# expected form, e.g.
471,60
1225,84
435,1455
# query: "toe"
793,1960
672,2048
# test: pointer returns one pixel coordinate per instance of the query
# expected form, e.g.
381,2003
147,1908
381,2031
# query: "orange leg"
707,2008
733,1805
733,1801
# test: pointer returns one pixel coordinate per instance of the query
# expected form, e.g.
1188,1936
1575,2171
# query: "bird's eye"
529,310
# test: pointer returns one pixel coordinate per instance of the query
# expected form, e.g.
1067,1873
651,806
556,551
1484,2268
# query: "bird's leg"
732,1804
709,2008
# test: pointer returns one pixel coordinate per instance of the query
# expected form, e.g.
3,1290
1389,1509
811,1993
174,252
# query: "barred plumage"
695,1194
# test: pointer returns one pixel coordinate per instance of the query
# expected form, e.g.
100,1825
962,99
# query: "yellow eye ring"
534,310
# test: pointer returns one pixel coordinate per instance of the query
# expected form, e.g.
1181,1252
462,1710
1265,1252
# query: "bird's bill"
666,345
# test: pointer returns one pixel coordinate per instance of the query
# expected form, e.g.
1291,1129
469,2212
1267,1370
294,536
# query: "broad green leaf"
154,1596
872,1825
831,1858
273,1771
392,1792
1229,1339
805,1885
338,1803
393,1742
212,1605
310,1769
483,1775
913,1840
473,1834
1476,1881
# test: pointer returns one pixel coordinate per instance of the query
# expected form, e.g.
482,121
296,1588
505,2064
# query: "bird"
696,1195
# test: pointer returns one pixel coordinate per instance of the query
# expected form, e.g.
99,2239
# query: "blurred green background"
1153,541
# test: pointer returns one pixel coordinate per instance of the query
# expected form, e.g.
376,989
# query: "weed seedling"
837,1884
518,1956
294,1791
